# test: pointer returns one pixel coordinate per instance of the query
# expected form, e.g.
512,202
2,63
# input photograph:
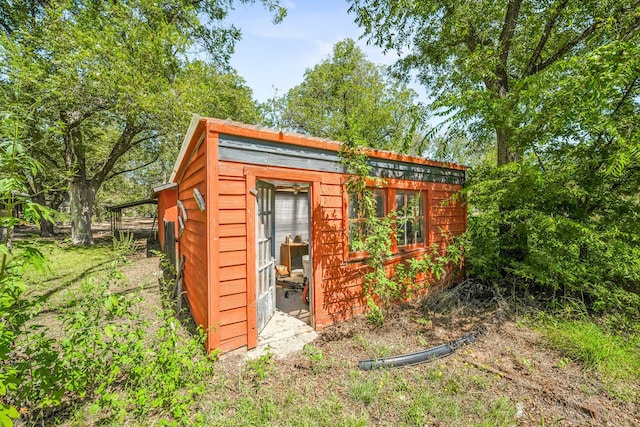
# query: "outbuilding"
253,207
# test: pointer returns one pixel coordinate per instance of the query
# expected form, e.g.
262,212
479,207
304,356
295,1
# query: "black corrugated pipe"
428,355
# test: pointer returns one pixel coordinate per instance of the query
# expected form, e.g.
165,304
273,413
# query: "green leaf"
109,330
5,421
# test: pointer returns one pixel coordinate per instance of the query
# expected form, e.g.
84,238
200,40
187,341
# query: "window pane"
400,202
411,239
420,230
401,234
355,233
414,202
379,197
353,206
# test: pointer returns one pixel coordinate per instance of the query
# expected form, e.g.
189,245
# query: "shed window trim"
355,216
411,219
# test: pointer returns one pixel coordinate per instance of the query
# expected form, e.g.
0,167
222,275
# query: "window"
410,218
358,227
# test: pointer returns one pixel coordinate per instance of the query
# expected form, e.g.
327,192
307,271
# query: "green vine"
384,285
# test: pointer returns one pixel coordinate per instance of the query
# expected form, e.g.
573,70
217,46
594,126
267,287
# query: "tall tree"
554,86
487,62
347,97
100,74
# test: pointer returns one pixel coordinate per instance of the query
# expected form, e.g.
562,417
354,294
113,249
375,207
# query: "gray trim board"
254,151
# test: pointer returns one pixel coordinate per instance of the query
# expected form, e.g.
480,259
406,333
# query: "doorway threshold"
282,336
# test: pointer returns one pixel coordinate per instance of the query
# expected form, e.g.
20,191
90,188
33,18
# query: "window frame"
351,255
390,190
423,206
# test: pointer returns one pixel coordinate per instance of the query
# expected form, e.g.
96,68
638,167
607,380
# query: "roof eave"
195,119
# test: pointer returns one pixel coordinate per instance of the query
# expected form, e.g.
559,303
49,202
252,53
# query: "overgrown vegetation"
384,283
550,234
542,98
105,350
599,348
101,349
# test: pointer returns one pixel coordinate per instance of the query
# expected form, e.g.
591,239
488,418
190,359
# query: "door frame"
266,268
252,175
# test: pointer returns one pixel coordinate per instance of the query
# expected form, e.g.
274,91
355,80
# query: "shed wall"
167,211
233,256
338,293
219,244
193,240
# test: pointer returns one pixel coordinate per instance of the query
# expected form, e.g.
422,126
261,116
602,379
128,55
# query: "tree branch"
506,37
47,157
566,48
114,174
122,145
625,96
545,37
147,138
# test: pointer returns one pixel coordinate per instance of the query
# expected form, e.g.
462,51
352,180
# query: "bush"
542,229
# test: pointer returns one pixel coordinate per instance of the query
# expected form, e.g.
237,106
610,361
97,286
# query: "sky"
274,57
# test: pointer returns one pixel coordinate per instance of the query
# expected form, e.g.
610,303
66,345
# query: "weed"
428,323
423,342
257,369
480,382
525,363
361,342
452,386
316,357
422,403
374,315
499,413
563,363
124,244
364,391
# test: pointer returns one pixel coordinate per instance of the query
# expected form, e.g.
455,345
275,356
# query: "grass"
67,266
324,388
614,357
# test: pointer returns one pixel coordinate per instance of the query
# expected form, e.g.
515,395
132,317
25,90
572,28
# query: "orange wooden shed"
237,192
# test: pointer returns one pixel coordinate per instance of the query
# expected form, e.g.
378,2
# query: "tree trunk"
46,227
506,154
81,197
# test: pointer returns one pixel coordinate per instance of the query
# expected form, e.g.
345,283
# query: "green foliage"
512,74
107,84
559,232
347,97
257,369
316,357
612,355
104,351
364,390
382,285
374,315
108,353
16,166
554,90
124,244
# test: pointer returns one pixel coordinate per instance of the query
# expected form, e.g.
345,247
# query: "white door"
265,257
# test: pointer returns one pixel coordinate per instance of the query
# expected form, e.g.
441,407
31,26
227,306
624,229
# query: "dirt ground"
545,388
527,371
